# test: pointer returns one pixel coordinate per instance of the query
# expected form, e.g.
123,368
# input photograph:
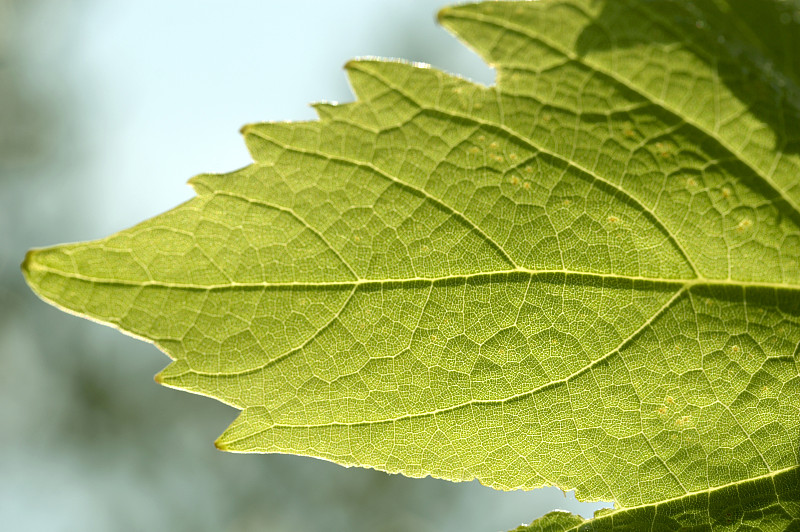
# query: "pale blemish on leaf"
744,224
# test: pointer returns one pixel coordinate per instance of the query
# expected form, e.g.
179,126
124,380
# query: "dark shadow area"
761,504
754,43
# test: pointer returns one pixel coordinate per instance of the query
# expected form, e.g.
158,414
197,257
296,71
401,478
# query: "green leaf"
771,502
586,276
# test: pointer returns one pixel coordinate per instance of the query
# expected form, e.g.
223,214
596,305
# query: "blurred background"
106,109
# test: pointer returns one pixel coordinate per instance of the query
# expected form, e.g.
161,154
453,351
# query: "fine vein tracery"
573,277
510,26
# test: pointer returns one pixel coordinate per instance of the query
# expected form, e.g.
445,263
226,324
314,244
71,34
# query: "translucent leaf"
587,275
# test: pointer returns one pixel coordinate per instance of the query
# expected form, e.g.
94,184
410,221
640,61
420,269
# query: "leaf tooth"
268,141
362,76
451,18
179,375
173,374
199,184
327,111
239,436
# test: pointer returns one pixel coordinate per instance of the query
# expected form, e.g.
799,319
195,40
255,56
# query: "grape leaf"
587,275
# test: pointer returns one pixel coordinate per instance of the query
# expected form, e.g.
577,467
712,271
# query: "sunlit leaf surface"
587,275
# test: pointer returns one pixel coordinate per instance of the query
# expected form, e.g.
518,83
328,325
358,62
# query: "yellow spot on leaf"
744,224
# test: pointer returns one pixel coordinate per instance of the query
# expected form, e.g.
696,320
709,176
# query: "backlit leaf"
587,275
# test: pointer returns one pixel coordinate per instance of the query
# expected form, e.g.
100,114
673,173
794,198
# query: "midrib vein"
677,283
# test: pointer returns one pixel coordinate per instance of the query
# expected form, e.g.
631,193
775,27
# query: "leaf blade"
560,280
